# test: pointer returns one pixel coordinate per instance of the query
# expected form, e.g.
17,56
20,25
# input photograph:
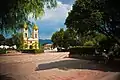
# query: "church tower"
31,41
35,36
25,35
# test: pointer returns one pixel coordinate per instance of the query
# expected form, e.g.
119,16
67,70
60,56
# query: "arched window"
35,29
35,35
25,28
25,35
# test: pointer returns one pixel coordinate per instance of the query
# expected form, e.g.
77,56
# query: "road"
52,66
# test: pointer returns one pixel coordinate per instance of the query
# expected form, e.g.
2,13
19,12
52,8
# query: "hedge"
82,50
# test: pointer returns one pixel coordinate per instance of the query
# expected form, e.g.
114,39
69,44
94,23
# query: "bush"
89,43
41,50
3,51
82,50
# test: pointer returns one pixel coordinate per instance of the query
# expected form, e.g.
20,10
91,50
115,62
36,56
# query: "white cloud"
52,20
58,13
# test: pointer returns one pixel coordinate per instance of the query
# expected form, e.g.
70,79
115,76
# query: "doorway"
31,47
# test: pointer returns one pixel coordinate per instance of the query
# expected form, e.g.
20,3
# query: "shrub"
3,51
82,50
41,50
89,43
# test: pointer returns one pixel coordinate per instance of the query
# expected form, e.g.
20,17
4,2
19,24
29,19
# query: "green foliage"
70,38
95,15
82,50
98,16
41,50
100,37
2,39
106,44
3,51
57,38
64,39
17,11
9,42
89,43
18,40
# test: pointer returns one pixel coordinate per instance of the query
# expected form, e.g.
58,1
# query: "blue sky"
53,19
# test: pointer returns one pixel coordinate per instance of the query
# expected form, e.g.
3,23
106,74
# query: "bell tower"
35,36
25,35
35,32
25,31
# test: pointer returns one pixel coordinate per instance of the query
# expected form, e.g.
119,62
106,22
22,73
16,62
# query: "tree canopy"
57,38
64,38
18,40
95,15
15,12
2,39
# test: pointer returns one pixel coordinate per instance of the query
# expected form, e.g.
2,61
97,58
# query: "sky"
53,19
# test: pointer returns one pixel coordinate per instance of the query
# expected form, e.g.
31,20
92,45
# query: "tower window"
35,29
26,35
35,35
25,28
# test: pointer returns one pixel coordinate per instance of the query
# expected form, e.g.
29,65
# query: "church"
30,41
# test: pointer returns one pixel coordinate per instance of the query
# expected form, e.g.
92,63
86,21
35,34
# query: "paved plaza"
52,66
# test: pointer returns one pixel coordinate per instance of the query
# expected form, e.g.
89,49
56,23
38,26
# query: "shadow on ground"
78,64
6,77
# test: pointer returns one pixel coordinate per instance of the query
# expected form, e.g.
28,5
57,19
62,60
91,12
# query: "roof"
35,27
49,44
25,25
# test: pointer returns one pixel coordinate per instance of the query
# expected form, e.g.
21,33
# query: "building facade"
32,41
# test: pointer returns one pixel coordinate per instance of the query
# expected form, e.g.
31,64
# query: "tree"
9,42
57,38
18,40
64,39
101,16
2,39
70,38
16,12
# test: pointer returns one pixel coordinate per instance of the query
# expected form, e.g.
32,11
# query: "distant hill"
43,41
